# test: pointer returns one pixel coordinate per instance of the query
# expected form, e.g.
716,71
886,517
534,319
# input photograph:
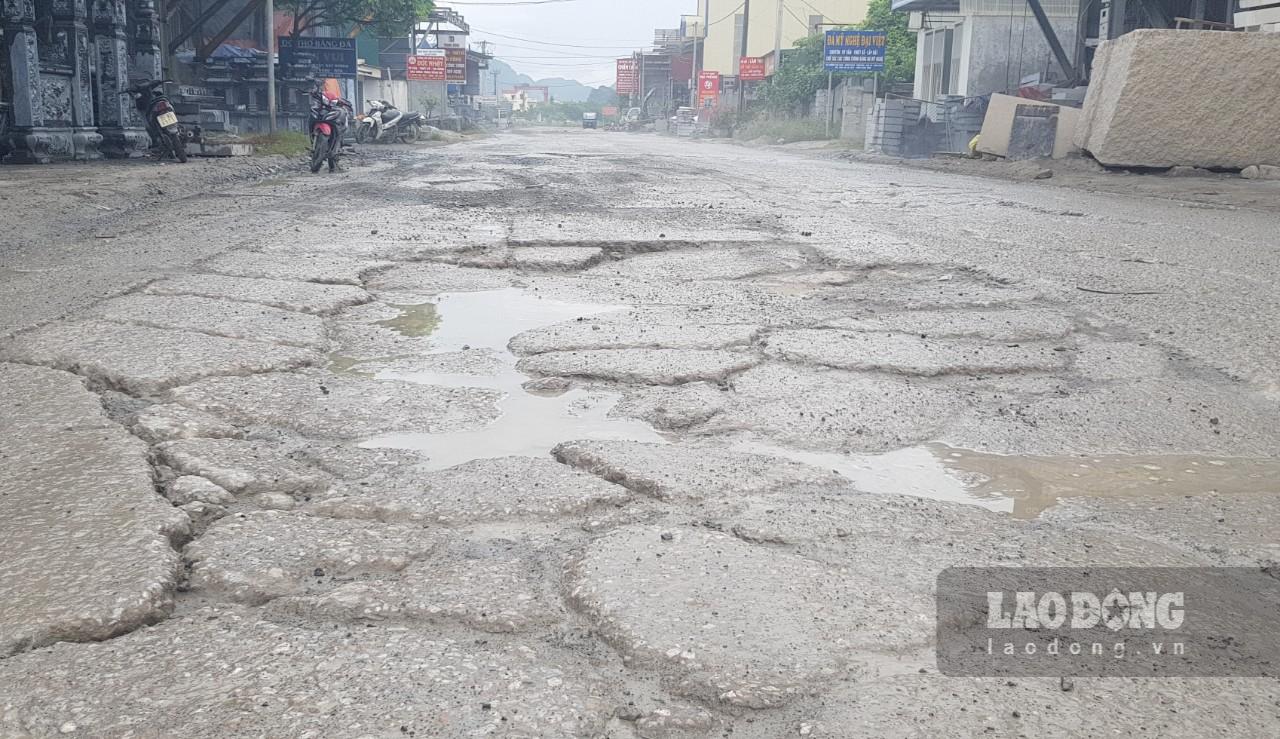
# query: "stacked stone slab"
1163,98
887,128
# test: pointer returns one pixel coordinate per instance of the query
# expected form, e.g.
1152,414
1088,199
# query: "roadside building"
724,20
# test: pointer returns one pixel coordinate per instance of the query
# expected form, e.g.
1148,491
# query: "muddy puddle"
531,423
1026,486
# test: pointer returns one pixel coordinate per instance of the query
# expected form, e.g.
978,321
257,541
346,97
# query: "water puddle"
1026,486
531,424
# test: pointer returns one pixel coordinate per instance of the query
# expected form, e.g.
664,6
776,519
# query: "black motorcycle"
162,120
326,126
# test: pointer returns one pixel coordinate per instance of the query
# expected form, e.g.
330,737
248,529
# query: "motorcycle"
162,120
326,125
386,122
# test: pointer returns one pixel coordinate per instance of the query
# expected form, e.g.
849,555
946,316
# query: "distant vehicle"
590,120
329,118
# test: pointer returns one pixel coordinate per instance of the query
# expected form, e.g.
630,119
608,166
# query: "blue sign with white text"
327,57
854,51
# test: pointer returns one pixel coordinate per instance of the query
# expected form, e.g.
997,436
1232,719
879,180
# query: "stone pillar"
29,141
147,62
72,39
123,131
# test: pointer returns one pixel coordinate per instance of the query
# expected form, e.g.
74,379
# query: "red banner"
708,89
628,77
426,67
751,69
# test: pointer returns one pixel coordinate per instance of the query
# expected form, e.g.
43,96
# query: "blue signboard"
327,57
854,51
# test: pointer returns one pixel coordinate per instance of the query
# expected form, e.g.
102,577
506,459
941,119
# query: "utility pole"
777,40
271,65
746,25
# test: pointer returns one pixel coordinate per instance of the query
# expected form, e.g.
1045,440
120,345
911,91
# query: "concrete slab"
641,366
909,355
307,297
626,332
235,320
321,268
85,541
243,467
144,361
1215,113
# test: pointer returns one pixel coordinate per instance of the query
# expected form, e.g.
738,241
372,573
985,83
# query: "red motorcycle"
330,116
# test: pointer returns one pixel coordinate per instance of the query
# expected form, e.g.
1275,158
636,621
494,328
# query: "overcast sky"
544,39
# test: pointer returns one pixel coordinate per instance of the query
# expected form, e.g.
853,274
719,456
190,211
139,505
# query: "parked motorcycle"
385,122
162,120
328,121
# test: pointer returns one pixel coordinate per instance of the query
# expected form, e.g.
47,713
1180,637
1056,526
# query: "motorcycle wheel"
411,135
319,151
360,134
177,146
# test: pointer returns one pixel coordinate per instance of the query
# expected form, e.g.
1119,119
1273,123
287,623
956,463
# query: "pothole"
531,423
1027,486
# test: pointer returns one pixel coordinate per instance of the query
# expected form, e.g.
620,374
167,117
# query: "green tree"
900,44
790,91
386,18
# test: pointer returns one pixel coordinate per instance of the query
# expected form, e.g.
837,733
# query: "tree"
900,44
790,91
386,18
603,96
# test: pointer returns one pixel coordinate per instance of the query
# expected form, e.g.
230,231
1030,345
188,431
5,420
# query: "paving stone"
243,467
321,268
223,672
481,490
235,320
169,421
837,410
494,585
909,354
85,542
323,405
724,620
255,557
144,361
641,366
626,333
1018,324
305,297
690,471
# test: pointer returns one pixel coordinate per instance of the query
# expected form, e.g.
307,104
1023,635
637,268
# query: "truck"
590,120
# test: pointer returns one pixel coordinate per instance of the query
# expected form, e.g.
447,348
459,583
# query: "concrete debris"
625,333
169,421
85,542
145,361
235,320
909,355
482,490
305,297
641,366
255,557
674,408
323,405
321,268
243,467
1261,172
192,489
1136,114
690,472
222,672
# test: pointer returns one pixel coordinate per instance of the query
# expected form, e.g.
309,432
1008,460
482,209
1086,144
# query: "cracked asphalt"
580,434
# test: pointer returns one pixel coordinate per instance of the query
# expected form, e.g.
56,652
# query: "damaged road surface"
568,434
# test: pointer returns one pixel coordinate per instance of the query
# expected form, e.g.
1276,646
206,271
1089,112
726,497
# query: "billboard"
853,51
628,77
751,69
327,57
456,64
428,65
708,89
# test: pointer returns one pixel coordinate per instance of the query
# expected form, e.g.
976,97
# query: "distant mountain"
563,90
